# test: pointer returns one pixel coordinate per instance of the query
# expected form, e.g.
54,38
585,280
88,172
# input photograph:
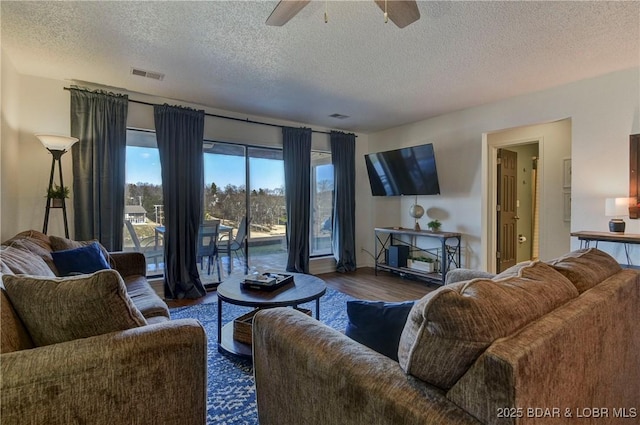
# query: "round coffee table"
304,288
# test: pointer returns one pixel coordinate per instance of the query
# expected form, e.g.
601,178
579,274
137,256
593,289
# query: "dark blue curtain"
296,152
343,151
99,121
180,132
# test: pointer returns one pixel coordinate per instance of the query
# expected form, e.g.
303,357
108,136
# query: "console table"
586,237
448,254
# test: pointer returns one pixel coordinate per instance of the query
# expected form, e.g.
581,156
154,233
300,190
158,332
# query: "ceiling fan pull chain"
386,15
326,11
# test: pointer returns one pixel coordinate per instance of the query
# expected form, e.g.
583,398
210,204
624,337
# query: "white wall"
8,147
604,111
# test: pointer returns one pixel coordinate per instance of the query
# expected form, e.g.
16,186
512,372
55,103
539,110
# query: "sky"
143,166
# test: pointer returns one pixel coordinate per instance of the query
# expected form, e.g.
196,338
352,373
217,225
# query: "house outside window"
136,214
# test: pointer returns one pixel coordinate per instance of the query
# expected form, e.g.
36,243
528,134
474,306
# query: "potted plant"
434,225
57,194
422,263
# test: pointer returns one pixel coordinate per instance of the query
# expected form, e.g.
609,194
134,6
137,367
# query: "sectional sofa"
94,348
545,343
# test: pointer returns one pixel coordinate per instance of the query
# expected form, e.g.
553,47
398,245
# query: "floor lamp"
57,146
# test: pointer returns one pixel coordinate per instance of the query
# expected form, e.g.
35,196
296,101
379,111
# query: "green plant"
434,225
423,259
58,192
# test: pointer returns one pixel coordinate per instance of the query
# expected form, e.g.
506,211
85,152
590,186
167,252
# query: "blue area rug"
231,395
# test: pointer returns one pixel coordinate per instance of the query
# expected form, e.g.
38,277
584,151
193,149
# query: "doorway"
552,238
517,193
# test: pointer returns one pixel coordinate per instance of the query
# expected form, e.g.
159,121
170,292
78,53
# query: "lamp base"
417,226
617,225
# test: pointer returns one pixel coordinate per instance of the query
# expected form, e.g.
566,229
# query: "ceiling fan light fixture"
401,12
386,15
326,12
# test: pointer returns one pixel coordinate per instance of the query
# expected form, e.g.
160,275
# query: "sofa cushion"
450,328
585,268
33,236
61,244
84,260
377,324
13,334
20,261
513,271
62,309
145,298
460,275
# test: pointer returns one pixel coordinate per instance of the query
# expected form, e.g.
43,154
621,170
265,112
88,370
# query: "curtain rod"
247,120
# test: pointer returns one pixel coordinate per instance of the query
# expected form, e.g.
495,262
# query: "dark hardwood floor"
362,284
365,285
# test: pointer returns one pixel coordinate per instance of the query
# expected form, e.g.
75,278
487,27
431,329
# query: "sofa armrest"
129,263
308,373
148,375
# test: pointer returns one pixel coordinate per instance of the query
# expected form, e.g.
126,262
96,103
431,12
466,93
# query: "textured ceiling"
221,54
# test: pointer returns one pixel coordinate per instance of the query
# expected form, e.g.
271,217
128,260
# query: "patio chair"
237,244
207,246
147,246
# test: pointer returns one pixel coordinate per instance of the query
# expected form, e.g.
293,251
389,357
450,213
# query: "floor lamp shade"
57,145
55,142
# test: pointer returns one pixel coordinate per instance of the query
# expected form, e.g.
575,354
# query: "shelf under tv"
433,277
448,254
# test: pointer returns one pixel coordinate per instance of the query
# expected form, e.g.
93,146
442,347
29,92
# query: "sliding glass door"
143,210
268,247
239,181
228,197
225,196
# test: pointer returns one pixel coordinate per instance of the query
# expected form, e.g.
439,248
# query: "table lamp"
617,208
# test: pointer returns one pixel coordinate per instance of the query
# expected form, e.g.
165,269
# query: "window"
321,204
143,199
238,181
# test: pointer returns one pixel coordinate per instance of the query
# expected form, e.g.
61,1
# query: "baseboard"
322,265
157,283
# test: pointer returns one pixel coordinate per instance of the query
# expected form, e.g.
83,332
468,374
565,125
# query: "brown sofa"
542,343
153,372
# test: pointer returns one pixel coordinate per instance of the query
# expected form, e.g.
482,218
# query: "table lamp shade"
56,142
616,207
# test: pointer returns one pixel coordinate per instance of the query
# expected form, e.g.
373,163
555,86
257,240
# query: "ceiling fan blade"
401,12
285,10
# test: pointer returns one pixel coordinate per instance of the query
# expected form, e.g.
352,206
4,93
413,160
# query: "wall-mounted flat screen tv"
406,171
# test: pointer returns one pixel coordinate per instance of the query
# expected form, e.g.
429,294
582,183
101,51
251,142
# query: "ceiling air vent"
148,74
339,116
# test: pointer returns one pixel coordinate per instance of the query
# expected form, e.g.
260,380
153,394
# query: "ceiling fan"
401,12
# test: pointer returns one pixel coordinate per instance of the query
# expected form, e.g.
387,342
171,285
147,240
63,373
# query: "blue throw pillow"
378,324
83,260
